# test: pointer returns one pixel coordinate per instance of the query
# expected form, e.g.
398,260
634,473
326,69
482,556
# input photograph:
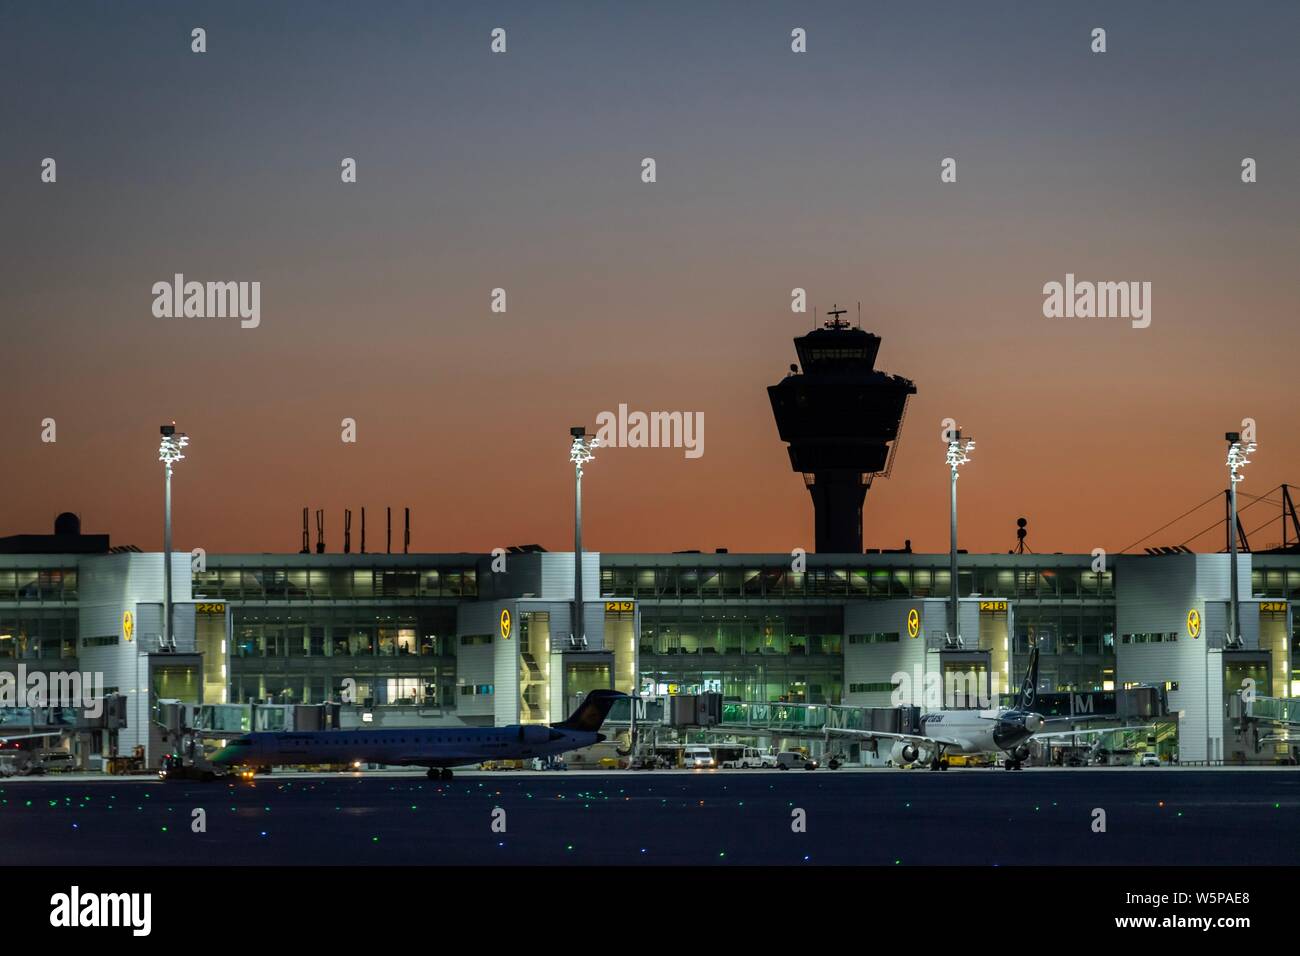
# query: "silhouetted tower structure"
841,418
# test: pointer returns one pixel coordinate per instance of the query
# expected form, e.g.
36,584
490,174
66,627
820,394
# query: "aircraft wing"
1077,719
1094,730
910,738
5,738
873,734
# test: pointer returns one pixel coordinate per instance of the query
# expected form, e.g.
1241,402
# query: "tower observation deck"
841,418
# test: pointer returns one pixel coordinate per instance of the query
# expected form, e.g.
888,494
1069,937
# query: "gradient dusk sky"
775,170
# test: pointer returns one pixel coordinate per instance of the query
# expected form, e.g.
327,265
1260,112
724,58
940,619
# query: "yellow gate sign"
1194,623
620,605
128,625
505,624
913,623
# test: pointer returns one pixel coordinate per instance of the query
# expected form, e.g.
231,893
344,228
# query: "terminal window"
889,637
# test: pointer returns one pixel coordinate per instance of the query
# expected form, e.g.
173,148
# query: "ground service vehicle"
751,758
698,757
792,759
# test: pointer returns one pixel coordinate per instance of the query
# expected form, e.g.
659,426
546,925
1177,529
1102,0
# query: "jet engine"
1020,753
903,753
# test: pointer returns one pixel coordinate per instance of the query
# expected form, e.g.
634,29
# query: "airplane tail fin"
591,713
1027,699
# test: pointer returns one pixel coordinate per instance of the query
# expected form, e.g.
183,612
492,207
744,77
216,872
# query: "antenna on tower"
363,530
406,538
320,530
347,530
859,313
306,538
388,546
836,322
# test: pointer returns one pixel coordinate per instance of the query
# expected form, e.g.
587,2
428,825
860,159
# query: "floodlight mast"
169,453
581,451
958,455
1238,458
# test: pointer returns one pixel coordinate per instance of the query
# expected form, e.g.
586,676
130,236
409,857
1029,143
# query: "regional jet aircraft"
439,749
1003,731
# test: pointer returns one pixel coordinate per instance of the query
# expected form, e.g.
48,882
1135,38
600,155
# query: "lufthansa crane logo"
128,625
913,623
505,624
1194,623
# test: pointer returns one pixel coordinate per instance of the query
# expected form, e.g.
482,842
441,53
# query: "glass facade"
1075,641
395,655
38,633
38,584
761,631
333,583
776,653
534,667
1270,582
646,579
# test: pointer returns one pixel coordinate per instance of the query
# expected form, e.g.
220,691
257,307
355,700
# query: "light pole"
169,452
1237,460
958,455
580,452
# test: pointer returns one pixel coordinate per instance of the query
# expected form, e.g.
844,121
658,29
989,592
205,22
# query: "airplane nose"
1033,723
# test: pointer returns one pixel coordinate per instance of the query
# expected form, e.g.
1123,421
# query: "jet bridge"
1267,720
752,716
21,727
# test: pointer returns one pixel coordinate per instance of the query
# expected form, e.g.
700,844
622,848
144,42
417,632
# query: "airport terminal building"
438,639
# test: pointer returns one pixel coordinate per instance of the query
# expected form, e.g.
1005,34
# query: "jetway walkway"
1267,720
1277,710
231,720
755,717
54,720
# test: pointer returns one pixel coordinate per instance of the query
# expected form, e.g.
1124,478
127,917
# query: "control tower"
841,418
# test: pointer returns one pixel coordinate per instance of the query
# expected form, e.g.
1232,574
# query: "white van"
793,759
751,758
698,757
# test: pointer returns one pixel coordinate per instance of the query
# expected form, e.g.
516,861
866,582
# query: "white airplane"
1002,731
439,748
20,759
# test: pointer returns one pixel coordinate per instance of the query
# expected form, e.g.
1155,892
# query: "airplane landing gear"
438,773
1010,764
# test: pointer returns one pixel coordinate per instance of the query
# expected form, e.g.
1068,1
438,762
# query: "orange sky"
523,173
